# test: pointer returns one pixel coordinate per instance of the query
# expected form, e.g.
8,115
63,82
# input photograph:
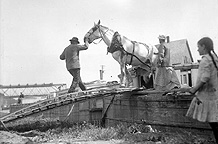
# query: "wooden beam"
30,85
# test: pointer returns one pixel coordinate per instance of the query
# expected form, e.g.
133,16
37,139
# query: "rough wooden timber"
110,106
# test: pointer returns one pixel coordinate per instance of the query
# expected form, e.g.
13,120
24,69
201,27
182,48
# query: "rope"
105,112
69,112
132,52
137,58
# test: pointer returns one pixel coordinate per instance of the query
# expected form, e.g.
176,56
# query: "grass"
47,130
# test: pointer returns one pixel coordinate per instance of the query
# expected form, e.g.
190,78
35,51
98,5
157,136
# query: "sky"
33,33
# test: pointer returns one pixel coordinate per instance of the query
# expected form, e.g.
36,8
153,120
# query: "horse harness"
116,45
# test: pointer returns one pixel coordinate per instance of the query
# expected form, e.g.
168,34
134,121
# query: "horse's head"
93,33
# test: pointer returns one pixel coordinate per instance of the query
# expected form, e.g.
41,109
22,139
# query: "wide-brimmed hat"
74,39
163,37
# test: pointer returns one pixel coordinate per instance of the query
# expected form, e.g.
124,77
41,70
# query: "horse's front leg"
129,82
123,82
117,55
127,79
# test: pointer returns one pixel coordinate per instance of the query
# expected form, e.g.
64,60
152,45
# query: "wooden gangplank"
57,102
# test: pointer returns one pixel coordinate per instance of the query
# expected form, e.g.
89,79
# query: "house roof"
179,52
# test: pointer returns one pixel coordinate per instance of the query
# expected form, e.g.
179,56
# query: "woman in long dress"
165,76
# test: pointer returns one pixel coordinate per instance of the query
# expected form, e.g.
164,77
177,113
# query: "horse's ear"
97,23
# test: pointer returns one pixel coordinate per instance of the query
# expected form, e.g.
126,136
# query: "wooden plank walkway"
57,102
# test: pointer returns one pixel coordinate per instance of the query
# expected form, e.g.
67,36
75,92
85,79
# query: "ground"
32,136
18,138
50,131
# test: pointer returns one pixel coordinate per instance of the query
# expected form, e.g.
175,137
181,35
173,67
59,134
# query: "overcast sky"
34,33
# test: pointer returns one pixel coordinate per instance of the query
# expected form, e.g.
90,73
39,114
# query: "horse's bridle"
97,27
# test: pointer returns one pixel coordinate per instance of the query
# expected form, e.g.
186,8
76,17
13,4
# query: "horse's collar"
116,43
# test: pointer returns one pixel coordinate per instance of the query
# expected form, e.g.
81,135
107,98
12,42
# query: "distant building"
1,100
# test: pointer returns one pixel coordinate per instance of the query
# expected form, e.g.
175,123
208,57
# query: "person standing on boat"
165,76
71,56
204,107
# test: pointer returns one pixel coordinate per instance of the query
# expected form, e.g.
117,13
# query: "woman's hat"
74,39
163,37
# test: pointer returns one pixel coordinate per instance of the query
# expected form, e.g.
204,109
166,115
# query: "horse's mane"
126,38
107,28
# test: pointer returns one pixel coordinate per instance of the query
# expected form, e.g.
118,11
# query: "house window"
185,77
190,79
185,81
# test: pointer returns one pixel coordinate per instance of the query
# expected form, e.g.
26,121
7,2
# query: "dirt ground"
17,138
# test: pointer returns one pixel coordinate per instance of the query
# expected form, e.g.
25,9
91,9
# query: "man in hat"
165,76
71,56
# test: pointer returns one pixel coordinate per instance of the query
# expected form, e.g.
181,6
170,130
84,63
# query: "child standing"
204,107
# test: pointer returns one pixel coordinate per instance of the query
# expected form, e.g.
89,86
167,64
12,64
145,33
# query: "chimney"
101,72
168,39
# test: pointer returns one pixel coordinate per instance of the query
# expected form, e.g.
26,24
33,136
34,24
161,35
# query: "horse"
124,51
